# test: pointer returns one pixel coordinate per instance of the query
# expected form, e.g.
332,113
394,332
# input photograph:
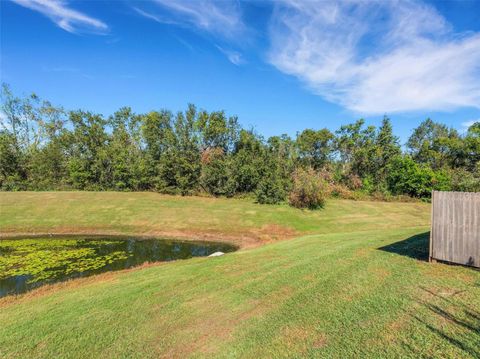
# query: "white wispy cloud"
61,69
65,17
467,124
376,57
222,18
68,70
233,56
154,17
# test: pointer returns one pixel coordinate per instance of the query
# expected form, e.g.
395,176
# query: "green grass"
151,213
354,283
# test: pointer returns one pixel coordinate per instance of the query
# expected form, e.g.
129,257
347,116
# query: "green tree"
187,155
405,176
127,160
159,140
216,131
387,148
248,161
471,149
315,148
435,144
357,150
89,164
216,174
12,174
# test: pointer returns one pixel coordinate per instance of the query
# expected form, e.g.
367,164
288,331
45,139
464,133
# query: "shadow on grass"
414,247
463,322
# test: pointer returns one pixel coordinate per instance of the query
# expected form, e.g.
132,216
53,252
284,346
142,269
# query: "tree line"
44,147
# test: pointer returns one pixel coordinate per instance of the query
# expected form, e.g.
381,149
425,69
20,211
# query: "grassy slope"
151,213
333,293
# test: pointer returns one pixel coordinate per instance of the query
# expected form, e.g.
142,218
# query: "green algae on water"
43,259
29,263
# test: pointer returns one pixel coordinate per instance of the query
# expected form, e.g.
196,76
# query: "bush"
352,181
309,189
441,180
465,181
341,191
216,177
405,176
271,190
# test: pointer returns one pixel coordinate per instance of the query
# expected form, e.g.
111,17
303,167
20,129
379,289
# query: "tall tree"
434,144
387,148
159,139
186,151
89,164
315,147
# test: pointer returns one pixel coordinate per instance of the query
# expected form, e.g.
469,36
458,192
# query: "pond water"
31,262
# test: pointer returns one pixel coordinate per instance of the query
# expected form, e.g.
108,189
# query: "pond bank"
28,263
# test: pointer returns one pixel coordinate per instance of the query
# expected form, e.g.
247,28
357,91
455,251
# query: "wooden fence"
455,231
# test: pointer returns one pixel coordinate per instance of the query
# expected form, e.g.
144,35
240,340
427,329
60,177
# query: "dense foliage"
43,147
309,189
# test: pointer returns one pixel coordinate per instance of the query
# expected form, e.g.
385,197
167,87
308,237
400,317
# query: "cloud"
467,124
221,18
68,70
61,69
65,17
376,57
155,17
233,56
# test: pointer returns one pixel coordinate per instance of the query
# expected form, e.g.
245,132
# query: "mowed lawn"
352,281
194,217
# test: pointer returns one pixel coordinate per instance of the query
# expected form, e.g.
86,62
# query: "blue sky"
280,66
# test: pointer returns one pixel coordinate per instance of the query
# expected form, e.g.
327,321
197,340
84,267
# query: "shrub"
271,190
465,181
216,178
352,181
341,191
405,176
441,180
368,185
309,189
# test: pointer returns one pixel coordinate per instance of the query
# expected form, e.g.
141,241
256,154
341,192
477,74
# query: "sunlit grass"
353,283
152,213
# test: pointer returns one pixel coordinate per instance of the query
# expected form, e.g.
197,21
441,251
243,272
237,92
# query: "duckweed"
28,263
44,259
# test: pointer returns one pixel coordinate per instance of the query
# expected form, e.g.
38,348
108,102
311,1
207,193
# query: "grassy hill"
236,220
352,282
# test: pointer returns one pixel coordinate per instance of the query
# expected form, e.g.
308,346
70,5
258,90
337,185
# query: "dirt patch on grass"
320,341
399,324
249,238
272,232
380,273
301,338
362,253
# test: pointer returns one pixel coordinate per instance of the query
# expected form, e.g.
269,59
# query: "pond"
31,262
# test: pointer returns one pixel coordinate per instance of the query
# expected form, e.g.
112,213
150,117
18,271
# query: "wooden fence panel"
455,231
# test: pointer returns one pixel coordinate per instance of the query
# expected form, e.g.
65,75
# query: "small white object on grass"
216,254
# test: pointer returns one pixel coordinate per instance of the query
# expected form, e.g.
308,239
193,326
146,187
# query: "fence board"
455,231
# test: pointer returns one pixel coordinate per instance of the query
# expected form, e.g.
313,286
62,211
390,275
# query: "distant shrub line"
43,147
